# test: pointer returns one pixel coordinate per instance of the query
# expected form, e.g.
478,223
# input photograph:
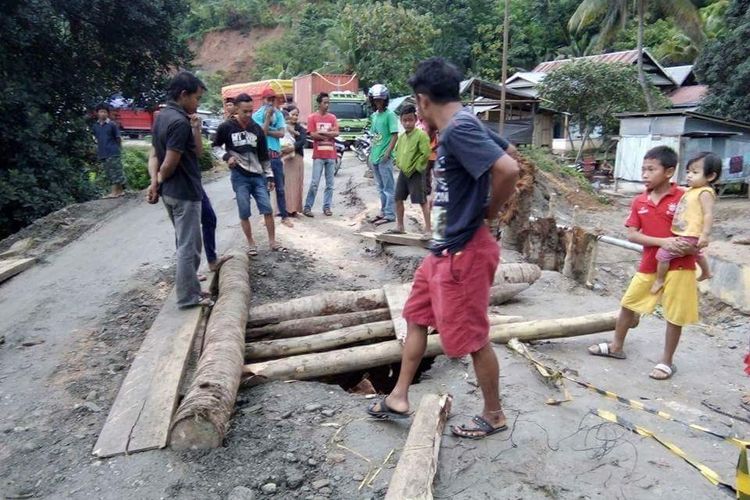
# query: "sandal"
328,212
482,426
252,251
668,371
383,221
603,350
278,247
386,412
373,220
394,231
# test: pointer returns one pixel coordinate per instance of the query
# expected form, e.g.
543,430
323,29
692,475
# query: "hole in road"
383,378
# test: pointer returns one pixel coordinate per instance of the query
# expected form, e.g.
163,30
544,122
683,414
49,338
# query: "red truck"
134,123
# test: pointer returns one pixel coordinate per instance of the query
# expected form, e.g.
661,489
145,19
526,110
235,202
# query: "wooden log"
416,469
12,267
517,272
323,304
309,366
317,324
201,421
396,296
346,302
266,349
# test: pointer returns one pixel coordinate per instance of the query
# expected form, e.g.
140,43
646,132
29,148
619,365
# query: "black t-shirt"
465,155
250,142
172,130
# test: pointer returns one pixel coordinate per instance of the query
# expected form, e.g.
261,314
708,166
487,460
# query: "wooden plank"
417,466
396,296
9,268
408,239
150,386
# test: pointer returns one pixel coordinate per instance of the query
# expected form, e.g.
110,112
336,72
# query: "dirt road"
91,301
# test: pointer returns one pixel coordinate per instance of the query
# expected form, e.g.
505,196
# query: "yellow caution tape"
742,488
555,374
707,472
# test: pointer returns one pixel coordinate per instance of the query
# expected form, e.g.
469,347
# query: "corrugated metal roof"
658,75
679,73
687,96
529,76
626,56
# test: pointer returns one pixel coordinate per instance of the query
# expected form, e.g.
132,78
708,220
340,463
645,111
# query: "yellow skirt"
678,297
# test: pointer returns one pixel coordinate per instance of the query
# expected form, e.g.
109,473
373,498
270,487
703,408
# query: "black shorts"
413,187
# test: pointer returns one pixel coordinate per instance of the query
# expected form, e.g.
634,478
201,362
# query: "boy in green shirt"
412,154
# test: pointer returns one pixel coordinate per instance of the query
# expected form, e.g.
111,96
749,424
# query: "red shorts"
452,293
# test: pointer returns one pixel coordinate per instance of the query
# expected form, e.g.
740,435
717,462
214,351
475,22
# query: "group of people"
475,174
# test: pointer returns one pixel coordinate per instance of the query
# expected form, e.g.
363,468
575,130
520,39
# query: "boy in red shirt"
323,128
650,225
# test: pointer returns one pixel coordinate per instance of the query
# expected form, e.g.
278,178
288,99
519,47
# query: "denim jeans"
320,165
208,225
278,176
383,172
186,218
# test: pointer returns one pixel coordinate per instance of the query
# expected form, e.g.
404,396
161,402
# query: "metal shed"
688,133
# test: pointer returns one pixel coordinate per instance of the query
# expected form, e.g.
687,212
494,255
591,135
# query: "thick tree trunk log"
517,272
417,466
266,349
317,324
309,366
201,421
346,302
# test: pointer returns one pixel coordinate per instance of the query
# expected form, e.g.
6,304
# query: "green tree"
58,58
725,68
613,16
388,41
593,93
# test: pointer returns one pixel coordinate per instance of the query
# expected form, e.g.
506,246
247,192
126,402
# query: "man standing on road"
451,287
384,130
176,176
246,154
271,120
323,128
108,144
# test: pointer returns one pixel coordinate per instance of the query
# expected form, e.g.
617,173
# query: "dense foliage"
725,67
58,58
592,93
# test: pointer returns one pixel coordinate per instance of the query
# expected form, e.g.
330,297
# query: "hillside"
231,51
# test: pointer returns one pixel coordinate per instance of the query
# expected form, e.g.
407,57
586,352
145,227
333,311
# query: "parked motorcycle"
341,147
362,145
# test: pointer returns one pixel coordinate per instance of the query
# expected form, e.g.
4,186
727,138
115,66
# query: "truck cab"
352,112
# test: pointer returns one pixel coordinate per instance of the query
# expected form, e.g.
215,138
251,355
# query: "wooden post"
202,419
310,366
504,69
417,466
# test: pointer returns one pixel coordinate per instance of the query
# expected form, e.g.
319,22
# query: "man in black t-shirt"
451,288
246,153
176,177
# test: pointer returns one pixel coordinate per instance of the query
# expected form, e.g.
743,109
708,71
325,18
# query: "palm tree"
614,15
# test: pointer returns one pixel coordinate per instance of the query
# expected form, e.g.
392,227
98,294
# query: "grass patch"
546,161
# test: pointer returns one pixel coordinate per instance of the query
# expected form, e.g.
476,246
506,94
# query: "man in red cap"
272,122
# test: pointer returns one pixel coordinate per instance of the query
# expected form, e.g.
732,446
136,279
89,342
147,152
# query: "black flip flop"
482,425
386,412
373,220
